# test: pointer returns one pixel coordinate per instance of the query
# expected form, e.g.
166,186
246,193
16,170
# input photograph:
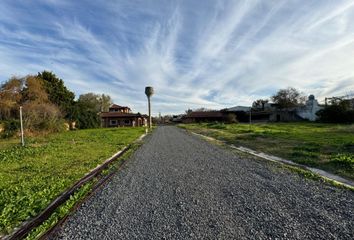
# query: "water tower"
149,91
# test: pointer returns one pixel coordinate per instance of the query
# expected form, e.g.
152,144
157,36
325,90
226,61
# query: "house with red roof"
122,116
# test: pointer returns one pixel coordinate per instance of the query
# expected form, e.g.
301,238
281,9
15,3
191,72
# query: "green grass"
32,176
326,146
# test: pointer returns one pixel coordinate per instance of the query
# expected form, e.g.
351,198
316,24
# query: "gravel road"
178,186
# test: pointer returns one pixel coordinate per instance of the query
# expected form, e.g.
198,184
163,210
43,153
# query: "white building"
309,110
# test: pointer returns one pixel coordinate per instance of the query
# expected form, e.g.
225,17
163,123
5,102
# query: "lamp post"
149,91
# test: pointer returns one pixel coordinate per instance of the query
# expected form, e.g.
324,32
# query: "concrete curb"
326,175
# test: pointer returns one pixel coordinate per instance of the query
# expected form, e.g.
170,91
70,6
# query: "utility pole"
21,122
149,91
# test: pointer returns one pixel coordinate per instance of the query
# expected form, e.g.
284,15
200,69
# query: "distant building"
119,116
207,116
309,110
243,114
272,113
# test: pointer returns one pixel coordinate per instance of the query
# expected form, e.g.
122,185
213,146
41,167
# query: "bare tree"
259,103
289,97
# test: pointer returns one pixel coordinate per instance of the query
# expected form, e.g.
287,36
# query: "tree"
260,103
100,103
90,101
87,110
58,94
10,97
38,112
287,98
34,90
105,102
189,111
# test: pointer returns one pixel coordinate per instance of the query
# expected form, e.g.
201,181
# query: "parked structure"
119,116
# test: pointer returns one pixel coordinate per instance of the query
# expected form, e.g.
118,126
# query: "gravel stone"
178,186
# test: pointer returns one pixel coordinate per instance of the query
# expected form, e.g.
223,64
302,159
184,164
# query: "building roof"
120,114
209,114
115,106
238,109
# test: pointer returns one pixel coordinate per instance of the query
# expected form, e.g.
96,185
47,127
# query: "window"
126,121
113,122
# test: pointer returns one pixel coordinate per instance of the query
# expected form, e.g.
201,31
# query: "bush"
336,113
231,118
44,116
10,128
87,119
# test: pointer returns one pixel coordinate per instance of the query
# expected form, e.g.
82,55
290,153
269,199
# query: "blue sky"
196,53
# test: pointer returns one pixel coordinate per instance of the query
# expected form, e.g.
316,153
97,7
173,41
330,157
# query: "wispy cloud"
210,54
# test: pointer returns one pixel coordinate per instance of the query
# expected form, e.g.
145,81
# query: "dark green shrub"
10,128
336,113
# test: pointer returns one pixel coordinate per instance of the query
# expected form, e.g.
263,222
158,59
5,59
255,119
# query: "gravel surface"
178,186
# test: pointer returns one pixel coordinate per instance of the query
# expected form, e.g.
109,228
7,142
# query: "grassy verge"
31,177
326,146
67,208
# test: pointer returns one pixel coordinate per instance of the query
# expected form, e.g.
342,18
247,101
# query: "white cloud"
210,54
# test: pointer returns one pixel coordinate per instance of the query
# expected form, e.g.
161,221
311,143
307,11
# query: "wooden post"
21,122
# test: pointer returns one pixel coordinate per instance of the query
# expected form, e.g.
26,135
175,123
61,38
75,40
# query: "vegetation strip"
323,174
52,229
35,222
329,147
97,185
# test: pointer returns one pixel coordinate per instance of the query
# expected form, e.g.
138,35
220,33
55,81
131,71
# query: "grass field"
326,146
32,176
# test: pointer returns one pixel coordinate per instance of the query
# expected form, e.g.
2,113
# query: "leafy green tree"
105,102
287,98
86,111
58,94
90,101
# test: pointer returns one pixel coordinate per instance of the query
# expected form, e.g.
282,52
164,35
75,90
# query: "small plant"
343,160
10,128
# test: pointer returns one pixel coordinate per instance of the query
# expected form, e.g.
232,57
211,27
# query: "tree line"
337,111
48,105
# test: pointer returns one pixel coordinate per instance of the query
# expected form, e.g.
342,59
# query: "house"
119,116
